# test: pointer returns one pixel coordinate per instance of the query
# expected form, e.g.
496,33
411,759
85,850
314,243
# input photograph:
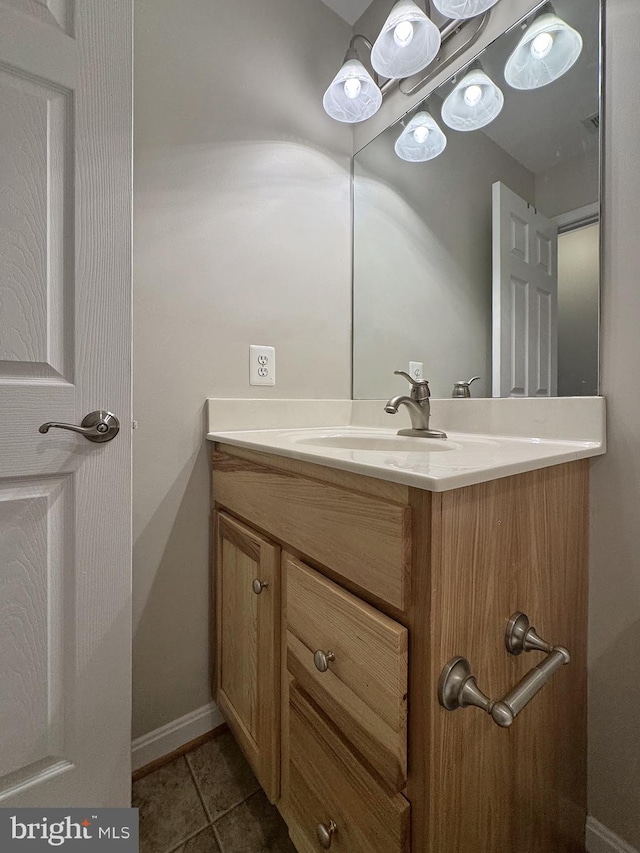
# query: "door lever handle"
97,426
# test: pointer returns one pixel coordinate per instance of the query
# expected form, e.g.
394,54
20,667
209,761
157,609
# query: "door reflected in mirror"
484,258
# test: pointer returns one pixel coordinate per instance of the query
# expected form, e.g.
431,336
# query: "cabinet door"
248,644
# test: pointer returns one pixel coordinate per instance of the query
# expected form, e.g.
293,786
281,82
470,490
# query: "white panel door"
65,342
525,298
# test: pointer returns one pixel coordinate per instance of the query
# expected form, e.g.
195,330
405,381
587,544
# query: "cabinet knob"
325,834
321,660
257,586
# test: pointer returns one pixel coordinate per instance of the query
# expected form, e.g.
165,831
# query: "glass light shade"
474,103
407,43
353,95
459,9
421,140
547,50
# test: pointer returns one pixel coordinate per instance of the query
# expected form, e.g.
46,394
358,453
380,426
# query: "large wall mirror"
477,230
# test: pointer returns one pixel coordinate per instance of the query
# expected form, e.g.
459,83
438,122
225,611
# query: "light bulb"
546,51
475,102
407,43
352,87
421,140
541,45
353,94
473,95
403,34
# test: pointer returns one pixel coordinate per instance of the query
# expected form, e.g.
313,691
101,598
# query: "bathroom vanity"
340,597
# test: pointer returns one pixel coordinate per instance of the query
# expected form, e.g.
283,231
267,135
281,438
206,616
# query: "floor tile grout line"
184,840
198,791
190,837
217,837
234,806
211,821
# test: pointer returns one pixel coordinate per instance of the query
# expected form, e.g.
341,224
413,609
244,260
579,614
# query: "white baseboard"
168,738
602,840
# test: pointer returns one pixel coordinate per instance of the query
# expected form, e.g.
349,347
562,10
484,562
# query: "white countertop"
463,459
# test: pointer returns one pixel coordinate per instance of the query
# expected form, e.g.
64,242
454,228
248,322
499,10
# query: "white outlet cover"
262,365
416,370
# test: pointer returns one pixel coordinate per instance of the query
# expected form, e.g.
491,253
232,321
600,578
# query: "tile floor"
208,801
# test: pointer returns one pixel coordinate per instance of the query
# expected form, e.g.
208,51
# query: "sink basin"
380,443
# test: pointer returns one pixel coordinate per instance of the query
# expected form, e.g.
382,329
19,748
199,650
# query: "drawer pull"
458,687
257,586
321,660
325,834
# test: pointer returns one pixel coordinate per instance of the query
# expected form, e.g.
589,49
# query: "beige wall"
241,236
615,543
570,185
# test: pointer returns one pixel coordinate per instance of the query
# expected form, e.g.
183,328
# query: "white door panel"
65,344
525,298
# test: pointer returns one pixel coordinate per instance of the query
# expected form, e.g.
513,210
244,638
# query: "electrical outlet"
262,365
416,370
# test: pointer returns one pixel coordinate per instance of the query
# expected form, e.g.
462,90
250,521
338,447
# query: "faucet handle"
462,389
410,379
419,388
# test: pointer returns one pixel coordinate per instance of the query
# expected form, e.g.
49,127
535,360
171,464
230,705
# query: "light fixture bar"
367,44
447,31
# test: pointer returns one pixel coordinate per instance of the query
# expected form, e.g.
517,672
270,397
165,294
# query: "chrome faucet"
419,408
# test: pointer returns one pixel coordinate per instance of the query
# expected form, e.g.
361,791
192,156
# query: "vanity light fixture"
353,95
421,140
474,103
462,9
547,50
408,42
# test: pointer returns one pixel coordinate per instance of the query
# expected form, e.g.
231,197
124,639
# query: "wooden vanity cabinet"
396,582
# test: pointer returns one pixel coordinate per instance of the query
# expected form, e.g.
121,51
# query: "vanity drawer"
364,689
328,783
364,538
